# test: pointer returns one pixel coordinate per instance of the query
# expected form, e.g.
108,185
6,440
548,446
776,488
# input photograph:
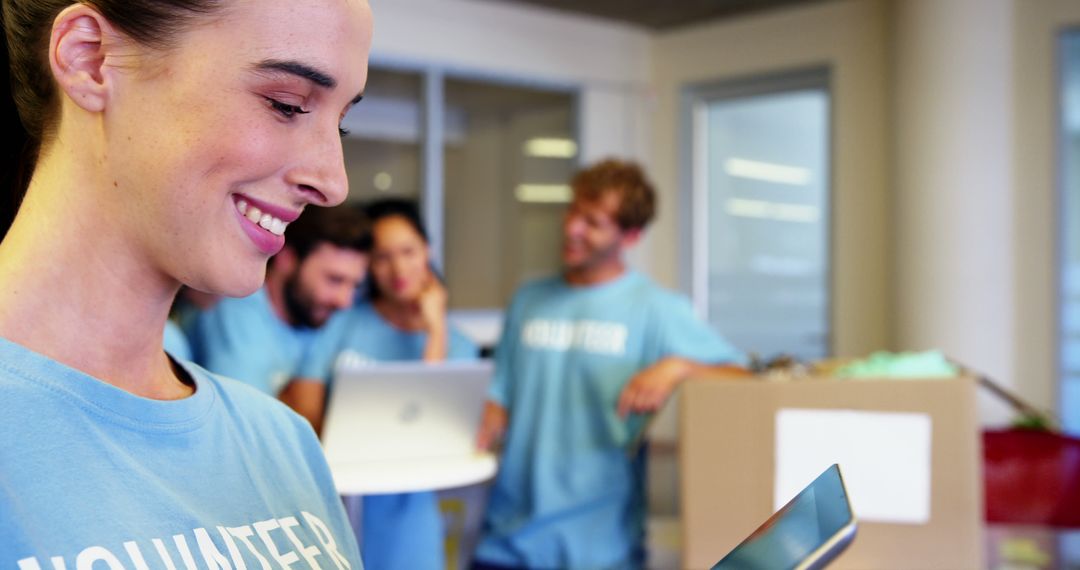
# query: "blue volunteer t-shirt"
359,335
243,338
400,531
95,477
569,492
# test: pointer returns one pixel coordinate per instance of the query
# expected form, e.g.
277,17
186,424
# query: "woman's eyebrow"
298,69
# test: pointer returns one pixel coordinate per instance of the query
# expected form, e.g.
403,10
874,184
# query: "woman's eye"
288,111
343,131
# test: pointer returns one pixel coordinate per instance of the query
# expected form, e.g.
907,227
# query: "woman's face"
399,259
213,146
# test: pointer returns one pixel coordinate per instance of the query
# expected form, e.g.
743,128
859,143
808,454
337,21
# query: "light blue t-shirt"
243,338
359,335
95,477
176,342
569,489
400,531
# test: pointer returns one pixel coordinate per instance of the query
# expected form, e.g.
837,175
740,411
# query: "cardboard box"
728,456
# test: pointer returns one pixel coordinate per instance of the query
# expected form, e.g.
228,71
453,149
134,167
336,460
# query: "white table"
356,479
412,475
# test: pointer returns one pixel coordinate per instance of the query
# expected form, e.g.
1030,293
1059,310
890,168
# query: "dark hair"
29,105
390,208
344,226
637,198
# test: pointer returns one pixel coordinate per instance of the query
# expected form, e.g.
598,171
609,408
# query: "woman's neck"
75,291
403,316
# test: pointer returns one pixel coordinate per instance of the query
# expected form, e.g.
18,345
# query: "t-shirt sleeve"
318,361
224,344
499,391
682,333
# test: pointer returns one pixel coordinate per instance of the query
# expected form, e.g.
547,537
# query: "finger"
487,437
636,400
651,402
626,401
648,396
643,402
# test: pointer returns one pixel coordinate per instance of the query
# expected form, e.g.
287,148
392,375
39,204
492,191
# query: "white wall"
609,61
976,163
954,182
511,38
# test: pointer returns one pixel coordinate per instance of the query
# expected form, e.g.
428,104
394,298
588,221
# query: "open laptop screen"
808,532
405,410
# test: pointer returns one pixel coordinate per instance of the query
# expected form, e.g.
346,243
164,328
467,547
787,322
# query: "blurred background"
836,176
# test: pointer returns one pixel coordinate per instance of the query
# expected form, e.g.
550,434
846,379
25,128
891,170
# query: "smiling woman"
160,143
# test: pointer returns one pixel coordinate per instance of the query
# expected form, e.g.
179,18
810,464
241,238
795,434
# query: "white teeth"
272,224
265,221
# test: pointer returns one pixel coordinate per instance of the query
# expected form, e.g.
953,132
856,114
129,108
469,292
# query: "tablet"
807,533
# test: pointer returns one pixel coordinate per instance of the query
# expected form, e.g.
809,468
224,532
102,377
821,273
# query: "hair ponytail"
16,159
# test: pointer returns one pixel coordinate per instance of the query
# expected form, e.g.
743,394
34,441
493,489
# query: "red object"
1032,477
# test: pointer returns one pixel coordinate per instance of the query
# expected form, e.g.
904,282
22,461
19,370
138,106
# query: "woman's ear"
77,50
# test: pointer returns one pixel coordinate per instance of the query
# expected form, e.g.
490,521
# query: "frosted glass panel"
1069,153
767,184
509,153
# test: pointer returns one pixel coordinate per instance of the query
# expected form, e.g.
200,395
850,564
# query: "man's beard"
596,257
300,311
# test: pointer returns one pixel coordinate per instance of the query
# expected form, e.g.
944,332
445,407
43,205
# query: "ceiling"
661,14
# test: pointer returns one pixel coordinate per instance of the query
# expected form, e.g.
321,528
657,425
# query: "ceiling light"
779,211
550,148
543,193
383,181
767,171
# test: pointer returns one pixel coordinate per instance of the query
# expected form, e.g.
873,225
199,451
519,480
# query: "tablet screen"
816,525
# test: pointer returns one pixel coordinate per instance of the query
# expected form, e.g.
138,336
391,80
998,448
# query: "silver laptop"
408,410
807,533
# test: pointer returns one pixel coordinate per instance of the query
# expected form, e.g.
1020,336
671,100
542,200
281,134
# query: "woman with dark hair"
402,318
405,291
161,143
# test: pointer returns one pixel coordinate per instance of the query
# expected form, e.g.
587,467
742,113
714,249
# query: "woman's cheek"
253,143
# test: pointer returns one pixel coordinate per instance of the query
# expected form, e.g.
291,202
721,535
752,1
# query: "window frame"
693,188
433,79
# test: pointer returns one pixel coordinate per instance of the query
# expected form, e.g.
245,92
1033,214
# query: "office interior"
939,185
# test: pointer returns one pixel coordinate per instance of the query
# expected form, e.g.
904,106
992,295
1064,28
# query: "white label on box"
884,458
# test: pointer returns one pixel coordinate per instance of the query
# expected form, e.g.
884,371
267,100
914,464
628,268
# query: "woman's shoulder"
461,346
361,313
252,408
